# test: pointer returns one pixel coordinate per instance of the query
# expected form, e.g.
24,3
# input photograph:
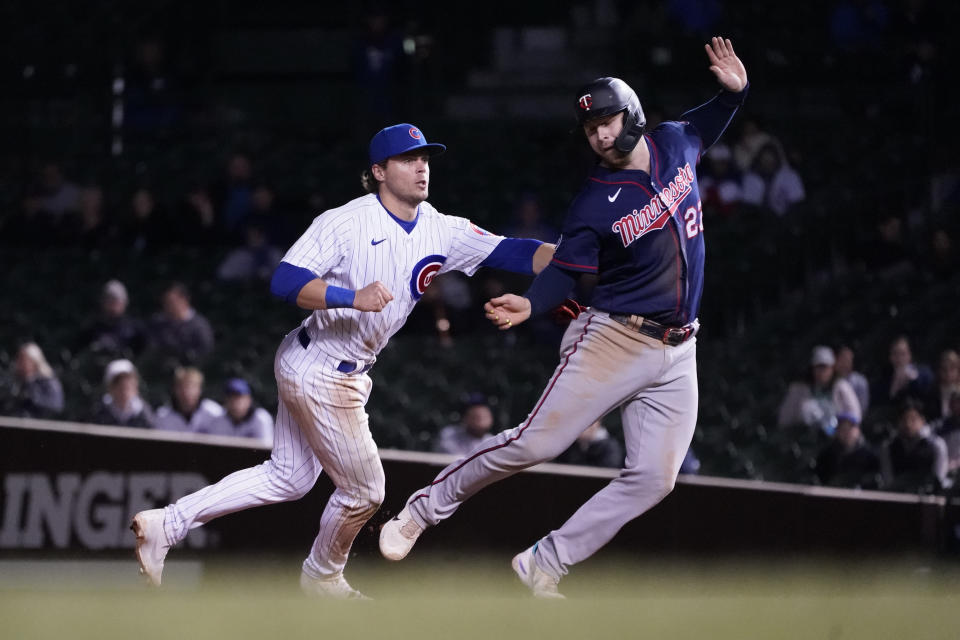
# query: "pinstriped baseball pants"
603,366
321,426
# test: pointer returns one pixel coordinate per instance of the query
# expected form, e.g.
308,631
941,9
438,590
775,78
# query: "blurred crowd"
176,330
896,428
891,429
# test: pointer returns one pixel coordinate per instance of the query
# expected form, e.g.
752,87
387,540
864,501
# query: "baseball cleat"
399,535
335,587
541,583
152,545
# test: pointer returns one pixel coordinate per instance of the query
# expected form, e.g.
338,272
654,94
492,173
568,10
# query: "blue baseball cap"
400,138
237,386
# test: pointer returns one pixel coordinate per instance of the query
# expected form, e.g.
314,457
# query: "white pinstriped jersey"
359,243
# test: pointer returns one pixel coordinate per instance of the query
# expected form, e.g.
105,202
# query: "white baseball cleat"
335,587
152,543
541,583
399,535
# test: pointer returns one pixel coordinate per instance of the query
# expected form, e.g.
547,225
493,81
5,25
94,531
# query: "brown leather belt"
667,335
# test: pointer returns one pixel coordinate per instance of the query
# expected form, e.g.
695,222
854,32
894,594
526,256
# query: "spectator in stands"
528,222
242,416
845,370
47,203
236,194
153,100
255,260
196,224
115,330
901,377
122,404
914,459
57,196
848,460
721,183
89,227
179,330
145,226
887,253
946,383
188,410
817,400
378,62
948,428
35,390
269,216
691,463
594,447
771,183
475,425
939,259
752,138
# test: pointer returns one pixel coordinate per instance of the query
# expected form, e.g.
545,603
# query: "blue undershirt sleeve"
712,117
288,280
513,254
550,288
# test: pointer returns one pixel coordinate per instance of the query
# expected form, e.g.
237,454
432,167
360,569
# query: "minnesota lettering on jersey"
656,213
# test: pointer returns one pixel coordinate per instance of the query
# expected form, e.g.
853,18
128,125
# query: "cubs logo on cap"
400,138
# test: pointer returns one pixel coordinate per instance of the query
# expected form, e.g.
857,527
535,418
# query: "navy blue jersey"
642,234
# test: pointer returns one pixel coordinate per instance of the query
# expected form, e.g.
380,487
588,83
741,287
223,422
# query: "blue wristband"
338,297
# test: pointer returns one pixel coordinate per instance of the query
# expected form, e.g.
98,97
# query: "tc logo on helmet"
586,101
414,133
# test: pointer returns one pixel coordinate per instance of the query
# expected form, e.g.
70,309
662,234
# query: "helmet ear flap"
634,124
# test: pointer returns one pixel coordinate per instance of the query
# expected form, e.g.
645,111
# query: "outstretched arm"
520,255
711,118
548,290
725,65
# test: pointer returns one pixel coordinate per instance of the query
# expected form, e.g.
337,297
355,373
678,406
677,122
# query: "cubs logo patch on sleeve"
423,274
478,230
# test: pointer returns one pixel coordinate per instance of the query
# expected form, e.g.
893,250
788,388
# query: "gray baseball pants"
603,365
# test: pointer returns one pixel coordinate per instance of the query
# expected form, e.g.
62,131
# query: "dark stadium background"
864,115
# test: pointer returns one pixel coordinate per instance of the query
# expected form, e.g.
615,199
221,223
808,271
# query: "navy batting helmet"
606,96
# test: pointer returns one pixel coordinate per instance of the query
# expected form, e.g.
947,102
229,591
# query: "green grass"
453,598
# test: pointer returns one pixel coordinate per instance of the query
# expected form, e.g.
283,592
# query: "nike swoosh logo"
614,196
376,242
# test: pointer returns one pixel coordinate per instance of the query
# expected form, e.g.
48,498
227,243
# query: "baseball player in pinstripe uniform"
637,225
360,268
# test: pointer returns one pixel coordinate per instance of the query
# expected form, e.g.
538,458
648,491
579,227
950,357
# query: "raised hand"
507,311
373,297
725,65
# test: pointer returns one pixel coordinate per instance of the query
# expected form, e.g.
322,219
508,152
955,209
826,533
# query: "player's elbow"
288,280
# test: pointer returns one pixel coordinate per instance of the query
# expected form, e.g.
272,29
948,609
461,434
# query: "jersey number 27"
693,217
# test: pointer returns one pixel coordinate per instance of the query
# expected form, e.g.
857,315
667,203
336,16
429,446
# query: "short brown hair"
185,374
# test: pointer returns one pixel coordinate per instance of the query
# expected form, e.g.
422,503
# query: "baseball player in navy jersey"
637,225
360,269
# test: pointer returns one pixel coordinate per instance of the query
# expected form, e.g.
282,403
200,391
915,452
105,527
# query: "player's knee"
648,486
536,448
288,487
290,490
664,484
